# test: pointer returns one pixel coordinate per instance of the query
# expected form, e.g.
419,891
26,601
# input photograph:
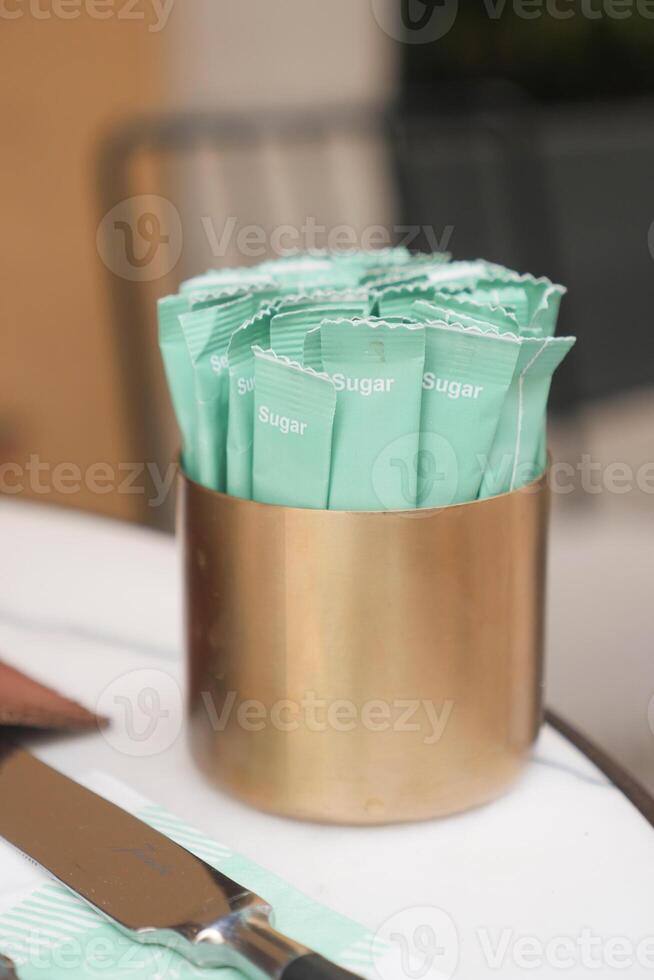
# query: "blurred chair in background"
247,185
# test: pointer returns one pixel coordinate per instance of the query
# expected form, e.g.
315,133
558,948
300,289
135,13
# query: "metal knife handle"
148,886
315,967
262,953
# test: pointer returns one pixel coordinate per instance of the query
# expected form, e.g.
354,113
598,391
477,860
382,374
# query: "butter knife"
151,888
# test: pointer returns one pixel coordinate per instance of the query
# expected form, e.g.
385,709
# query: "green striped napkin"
50,933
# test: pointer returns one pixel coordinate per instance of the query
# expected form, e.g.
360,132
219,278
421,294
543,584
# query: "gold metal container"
364,667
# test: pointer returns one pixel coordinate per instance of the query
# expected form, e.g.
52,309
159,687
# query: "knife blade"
148,886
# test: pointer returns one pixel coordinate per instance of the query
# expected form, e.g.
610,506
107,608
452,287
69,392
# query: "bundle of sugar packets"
362,381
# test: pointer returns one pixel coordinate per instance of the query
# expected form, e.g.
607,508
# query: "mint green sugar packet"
357,265
202,299
398,299
535,302
241,368
313,349
440,279
296,302
518,452
241,277
346,269
288,329
460,308
389,256
207,333
179,374
305,272
312,354
377,370
289,302
240,422
463,274
466,379
261,294
418,266
293,423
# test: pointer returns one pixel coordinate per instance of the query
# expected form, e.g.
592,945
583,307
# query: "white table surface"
555,879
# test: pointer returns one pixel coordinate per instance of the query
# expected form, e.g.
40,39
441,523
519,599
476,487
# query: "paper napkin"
48,932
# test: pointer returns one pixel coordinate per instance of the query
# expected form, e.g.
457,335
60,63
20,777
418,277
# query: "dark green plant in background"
589,54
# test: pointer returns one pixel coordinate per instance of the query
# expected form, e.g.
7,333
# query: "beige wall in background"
230,54
64,83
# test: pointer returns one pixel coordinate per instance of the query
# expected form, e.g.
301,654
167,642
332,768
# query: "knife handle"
315,967
259,951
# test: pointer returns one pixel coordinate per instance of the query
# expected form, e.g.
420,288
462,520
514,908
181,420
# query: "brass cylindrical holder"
364,667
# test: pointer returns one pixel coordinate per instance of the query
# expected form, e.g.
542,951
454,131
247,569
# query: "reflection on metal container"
364,667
